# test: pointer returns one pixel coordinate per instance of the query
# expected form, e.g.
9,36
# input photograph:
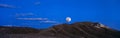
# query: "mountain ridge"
75,30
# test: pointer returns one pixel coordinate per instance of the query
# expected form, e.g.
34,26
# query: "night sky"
46,13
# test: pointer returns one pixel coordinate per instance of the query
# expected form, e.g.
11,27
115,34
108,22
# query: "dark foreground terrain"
75,30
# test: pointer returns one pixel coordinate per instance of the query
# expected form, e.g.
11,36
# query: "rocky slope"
75,30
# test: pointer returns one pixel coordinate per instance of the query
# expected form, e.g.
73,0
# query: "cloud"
49,21
24,14
7,6
37,3
40,19
7,25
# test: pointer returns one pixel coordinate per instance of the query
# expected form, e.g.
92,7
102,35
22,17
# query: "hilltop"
75,30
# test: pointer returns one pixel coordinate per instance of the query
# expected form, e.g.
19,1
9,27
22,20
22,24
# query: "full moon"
68,19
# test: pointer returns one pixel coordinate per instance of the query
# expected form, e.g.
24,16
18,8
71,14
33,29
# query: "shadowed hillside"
75,30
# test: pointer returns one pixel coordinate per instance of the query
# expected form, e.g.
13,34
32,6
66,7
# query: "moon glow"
68,19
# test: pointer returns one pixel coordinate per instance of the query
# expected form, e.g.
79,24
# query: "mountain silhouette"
75,30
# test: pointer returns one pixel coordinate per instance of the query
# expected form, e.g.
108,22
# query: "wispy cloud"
7,6
37,3
24,14
40,19
49,21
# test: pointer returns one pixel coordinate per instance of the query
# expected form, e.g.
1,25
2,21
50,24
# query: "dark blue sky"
13,12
